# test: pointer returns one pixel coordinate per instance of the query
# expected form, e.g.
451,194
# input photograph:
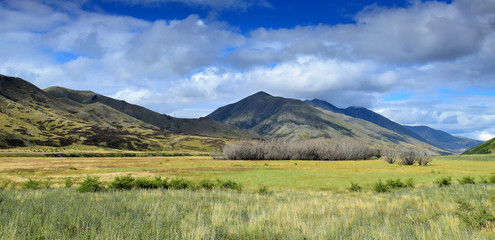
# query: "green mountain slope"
201,126
277,117
487,147
425,134
29,116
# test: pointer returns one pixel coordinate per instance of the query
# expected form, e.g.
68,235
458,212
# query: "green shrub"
4,184
155,183
229,184
491,179
32,184
122,183
91,184
206,184
379,187
409,183
397,183
68,182
46,184
444,181
180,183
354,187
466,180
263,190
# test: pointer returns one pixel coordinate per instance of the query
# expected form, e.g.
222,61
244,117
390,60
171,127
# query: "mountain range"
58,116
425,134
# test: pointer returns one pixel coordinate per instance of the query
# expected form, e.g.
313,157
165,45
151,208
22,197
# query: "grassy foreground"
419,213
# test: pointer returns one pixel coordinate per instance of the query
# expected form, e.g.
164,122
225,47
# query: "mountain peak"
260,94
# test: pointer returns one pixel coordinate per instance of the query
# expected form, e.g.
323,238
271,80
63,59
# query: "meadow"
300,199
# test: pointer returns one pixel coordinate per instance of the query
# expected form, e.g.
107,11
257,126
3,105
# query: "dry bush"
408,158
390,156
313,149
423,159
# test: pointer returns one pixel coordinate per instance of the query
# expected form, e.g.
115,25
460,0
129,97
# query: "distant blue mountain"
425,134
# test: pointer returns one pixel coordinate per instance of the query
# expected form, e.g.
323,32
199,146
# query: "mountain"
425,134
277,117
368,115
201,126
487,147
443,139
30,116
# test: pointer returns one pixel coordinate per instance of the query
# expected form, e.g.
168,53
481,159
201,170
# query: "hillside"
487,147
443,139
29,116
201,126
368,115
277,117
425,134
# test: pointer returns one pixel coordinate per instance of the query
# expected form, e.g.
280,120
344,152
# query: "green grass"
419,213
277,175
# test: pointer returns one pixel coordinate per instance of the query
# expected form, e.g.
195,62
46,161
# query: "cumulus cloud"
177,66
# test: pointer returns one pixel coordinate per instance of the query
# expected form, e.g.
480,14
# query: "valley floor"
277,175
300,199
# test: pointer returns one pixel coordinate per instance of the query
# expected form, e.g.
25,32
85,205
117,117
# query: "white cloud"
184,65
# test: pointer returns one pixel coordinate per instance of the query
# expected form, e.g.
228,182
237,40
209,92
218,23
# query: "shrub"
122,183
180,183
91,184
379,187
444,181
466,180
390,157
409,183
397,183
491,179
354,187
144,183
229,184
408,158
32,184
263,190
46,184
68,182
423,159
206,184
483,179
4,184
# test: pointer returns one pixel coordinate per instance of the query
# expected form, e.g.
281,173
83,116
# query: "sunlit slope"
487,147
29,116
277,117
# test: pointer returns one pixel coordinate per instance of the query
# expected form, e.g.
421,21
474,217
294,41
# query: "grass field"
305,200
278,175
418,213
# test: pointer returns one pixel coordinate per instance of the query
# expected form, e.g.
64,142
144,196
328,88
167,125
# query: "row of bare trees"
407,158
312,149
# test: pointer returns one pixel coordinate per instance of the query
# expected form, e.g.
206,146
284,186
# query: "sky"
416,62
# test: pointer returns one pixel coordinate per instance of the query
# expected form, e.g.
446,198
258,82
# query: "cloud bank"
440,54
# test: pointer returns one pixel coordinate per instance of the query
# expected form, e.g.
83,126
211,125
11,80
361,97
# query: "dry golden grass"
278,175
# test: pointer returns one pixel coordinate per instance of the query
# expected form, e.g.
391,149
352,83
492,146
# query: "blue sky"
416,62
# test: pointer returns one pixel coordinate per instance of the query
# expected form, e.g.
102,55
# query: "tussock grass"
419,213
